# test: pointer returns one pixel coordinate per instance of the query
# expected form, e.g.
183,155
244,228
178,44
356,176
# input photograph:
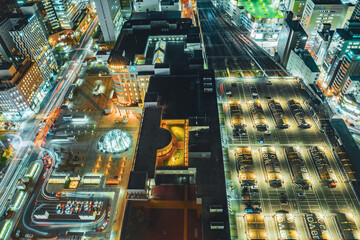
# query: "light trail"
22,156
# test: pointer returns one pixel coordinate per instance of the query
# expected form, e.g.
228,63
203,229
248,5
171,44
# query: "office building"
63,12
7,45
146,5
30,9
352,86
322,43
156,5
263,21
32,43
292,36
356,13
302,65
297,7
345,39
9,5
317,12
21,90
51,17
109,18
341,69
170,5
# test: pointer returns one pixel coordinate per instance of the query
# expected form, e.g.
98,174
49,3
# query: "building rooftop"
8,82
183,97
177,97
347,141
260,8
308,60
323,2
152,137
294,24
23,22
355,78
169,2
155,15
349,33
133,38
137,180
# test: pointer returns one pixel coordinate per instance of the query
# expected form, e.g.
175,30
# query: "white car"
301,195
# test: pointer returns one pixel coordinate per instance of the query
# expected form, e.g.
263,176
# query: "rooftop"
347,141
134,35
327,2
294,24
152,137
260,8
9,82
308,60
155,15
183,97
23,22
177,95
355,78
137,180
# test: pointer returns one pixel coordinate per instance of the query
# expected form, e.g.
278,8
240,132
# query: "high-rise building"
356,13
109,18
21,90
297,7
263,21
341,69
322,42
139,54
317,12
343,40
124,4
156,5
302,65
32,43
33,9
63,12
51,16
9,4
7,45
146,5
292,36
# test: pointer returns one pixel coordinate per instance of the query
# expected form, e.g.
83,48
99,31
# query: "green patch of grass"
260,8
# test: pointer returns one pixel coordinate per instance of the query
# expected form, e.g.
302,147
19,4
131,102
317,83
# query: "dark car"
283,199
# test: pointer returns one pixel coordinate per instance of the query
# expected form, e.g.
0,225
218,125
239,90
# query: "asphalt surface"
324,202
227,48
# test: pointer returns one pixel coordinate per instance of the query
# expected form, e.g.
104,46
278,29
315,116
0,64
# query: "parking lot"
70,210
276,172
